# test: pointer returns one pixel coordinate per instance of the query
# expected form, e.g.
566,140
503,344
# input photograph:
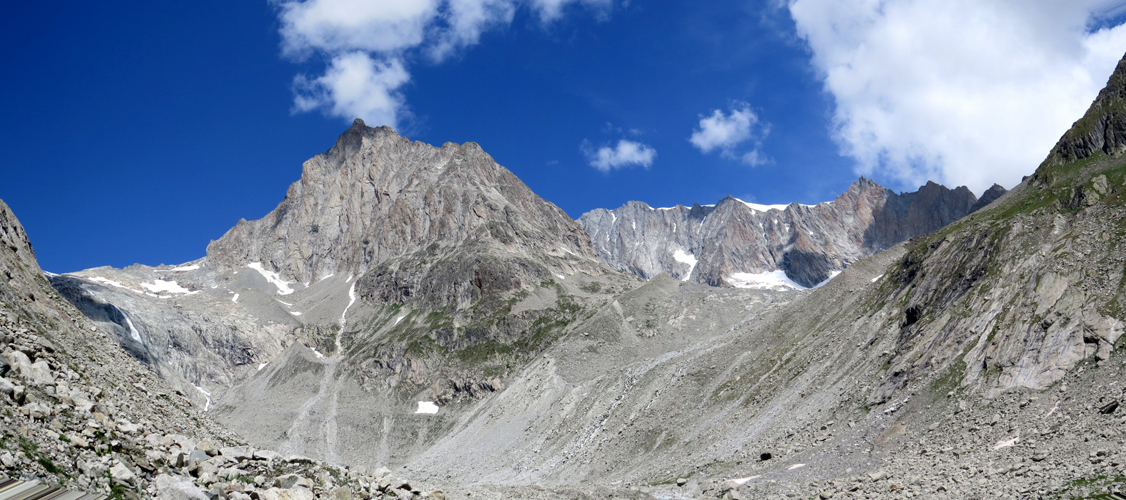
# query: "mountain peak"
376,195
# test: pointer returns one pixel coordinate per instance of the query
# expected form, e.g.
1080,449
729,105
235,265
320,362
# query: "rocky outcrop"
721,245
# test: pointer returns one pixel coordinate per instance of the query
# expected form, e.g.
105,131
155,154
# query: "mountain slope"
737,243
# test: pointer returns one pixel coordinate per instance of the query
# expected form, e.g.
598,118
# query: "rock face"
732,242
375,196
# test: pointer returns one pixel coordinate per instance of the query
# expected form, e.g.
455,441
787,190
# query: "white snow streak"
427,407
263,365
272,277
205,394
166,287
181,269
832,274
235,298
132,329
685,258
107,281
795,466
1006,443
344,315
766,208
877,278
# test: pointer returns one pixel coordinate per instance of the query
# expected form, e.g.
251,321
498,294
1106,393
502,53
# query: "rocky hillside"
82,414
734,243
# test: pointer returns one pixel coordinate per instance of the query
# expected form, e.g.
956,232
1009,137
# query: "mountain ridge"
718,244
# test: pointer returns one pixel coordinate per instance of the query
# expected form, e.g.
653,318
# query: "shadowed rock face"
376,195
807,242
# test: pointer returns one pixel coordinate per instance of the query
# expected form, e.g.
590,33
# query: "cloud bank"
727,132
367,45
626,154
966,92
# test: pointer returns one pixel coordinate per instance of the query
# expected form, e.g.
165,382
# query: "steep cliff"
734,243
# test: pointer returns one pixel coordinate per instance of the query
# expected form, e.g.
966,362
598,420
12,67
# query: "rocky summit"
414,322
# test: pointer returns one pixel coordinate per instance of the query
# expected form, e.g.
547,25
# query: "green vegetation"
592,287
48,465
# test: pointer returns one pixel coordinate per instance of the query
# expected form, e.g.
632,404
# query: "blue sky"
139,131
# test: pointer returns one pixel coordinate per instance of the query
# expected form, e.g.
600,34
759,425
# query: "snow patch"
326,277
766,208
560,276
166,287
285,303
877,278
207,395
132,329
263,365
1006,443
770,280
181,269
685,258
567,250
832,274
235,298
272,277
107,281
795,466
295,313
743,480
343,315
427,407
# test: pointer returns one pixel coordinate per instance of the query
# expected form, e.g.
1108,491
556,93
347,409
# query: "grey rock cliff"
376,195
710,244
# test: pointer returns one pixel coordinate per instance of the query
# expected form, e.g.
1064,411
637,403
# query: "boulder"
122,475
291,481
176,488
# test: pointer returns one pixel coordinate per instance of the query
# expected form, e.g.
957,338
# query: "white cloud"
347,25
550,10
625,154
727,131
959,91
355,86
347,31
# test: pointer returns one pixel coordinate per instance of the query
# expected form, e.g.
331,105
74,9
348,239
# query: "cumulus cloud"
959,91
627,153
366,44
726,132
355,86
